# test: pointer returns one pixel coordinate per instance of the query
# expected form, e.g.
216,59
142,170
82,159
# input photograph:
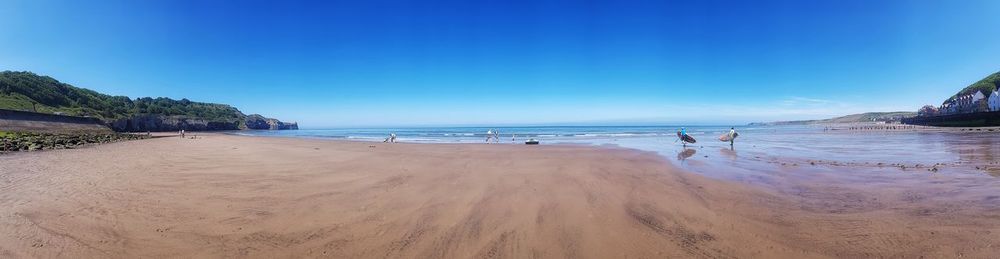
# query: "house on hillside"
979,102
970,103
994,101
961,104
947,108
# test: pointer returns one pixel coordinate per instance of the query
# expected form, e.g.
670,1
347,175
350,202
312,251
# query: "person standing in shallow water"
732,136
683,132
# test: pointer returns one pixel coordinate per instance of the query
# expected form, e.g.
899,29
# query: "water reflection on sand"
857,170
958,151
686,153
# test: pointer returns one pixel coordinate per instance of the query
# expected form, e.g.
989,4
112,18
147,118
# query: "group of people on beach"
181,133
493,134
685,138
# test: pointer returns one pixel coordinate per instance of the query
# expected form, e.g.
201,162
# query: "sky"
331,64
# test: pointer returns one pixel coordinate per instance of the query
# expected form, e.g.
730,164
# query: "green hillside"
986,86
853,118
868,117
30,92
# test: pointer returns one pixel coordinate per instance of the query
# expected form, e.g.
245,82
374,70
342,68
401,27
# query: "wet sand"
233,196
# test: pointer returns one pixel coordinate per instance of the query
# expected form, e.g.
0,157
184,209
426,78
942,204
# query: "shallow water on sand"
938,151
782,158
841,171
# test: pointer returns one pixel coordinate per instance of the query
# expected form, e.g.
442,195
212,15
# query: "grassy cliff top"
30,92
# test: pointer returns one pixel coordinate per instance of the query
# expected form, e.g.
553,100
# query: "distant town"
970,103
977,105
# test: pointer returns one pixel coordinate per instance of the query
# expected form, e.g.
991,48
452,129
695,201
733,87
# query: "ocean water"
757,147
475,134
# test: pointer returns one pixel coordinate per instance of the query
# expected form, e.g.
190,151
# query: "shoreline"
248,196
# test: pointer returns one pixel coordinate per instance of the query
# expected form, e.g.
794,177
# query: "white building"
976,98
994,101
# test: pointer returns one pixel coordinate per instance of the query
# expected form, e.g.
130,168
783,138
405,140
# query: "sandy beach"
259,197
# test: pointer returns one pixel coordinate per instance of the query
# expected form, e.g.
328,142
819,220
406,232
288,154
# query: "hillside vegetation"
30,92
853,118
986,86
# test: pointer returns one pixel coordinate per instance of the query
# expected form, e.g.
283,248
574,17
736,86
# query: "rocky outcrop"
155,122
31,141
259,122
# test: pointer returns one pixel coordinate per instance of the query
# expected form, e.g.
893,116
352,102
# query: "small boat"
531,142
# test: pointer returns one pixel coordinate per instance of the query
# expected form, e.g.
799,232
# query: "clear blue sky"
383,63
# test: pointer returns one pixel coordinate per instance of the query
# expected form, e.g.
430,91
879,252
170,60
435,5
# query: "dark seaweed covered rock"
26,141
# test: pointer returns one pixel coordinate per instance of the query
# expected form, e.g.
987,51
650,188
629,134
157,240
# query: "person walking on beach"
681,135
489,135
391,138
732,136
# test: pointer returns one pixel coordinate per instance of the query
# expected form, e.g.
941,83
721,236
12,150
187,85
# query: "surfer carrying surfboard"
732,136
684,137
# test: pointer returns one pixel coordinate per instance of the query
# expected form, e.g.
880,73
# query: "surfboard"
686,138
727,138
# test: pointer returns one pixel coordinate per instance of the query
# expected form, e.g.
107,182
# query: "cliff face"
258,122
156,122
